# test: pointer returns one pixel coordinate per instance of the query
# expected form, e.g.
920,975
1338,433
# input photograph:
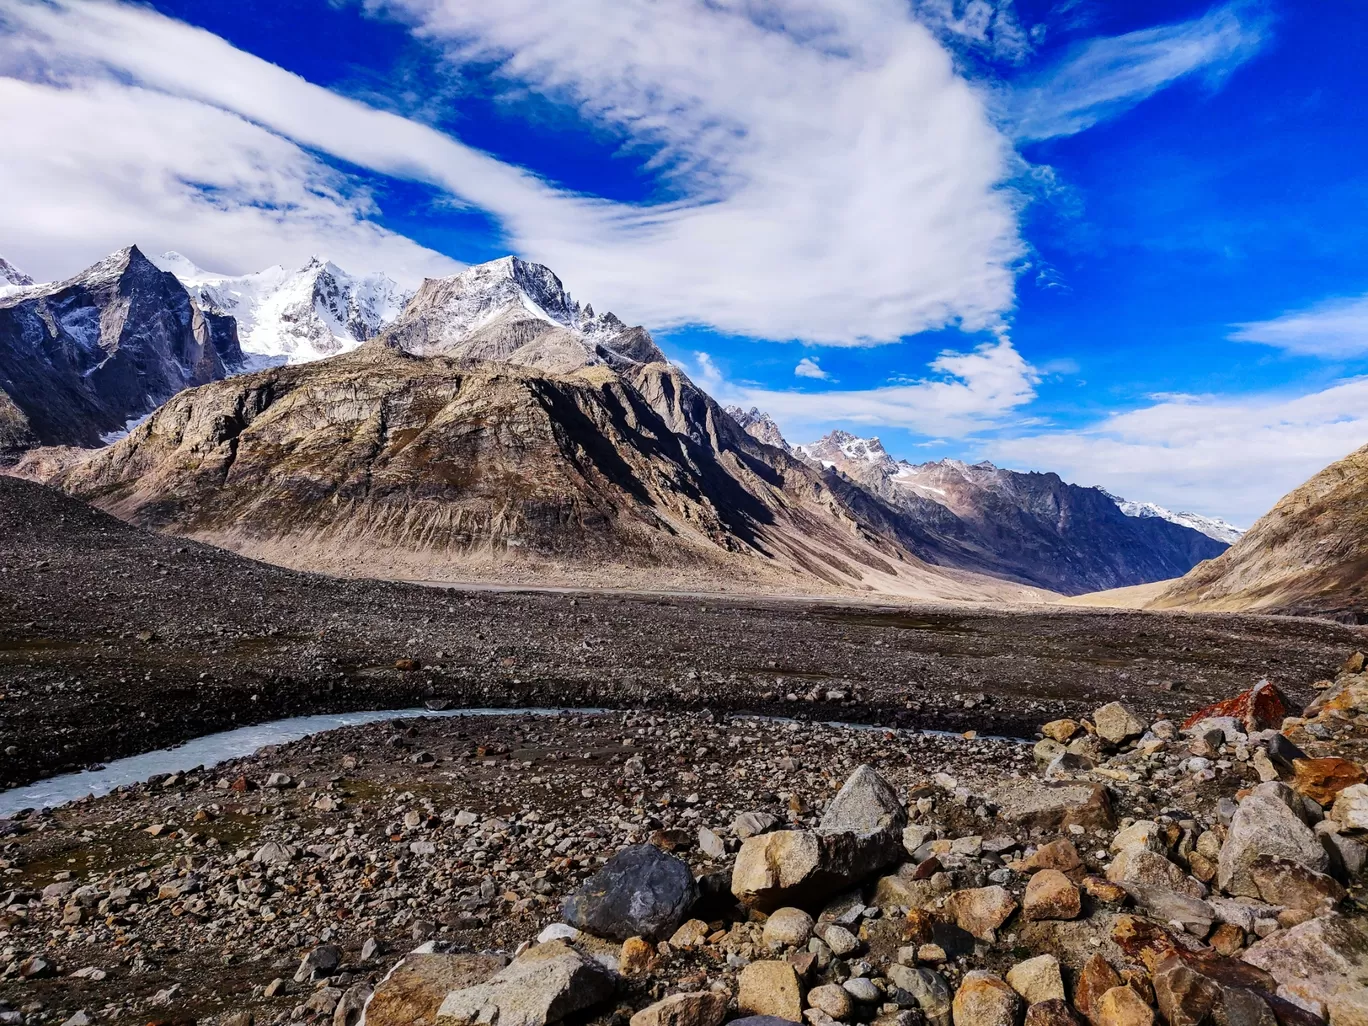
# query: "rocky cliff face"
383,463
1033,528
1308,555
81,358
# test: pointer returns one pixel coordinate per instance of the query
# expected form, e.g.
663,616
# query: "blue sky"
1118,241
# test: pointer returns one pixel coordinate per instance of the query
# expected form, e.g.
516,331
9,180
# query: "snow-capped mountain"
12,279
1212,527
295,316
759,425
1033,527
516,312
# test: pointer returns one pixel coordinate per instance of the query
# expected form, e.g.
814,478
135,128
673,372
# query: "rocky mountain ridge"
1034,528
81,358
1307,555
382,463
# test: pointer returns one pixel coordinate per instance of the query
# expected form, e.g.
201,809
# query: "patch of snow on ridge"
295,316
1212,527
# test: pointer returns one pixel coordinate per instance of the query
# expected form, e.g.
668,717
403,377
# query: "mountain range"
1034,528
491,425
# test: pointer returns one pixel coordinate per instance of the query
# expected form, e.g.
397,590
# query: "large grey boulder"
1315,960
1116,722
859,834
929,989
640,892
543,985
1264,824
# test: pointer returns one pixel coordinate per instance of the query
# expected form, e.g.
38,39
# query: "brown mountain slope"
381,463
1308,555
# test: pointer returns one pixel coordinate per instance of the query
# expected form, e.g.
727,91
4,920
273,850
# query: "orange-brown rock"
1094,979
412,993
1259,708
1322,780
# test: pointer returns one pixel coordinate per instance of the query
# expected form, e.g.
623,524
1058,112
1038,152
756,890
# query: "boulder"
1291,885
1261,707
752,824
1143,833
859,834
1053,807
416,987
769,988
1051,1013
1115,722
1094,979
1350,810
788,928
832,999
903,891
1060,730
1060,855
1051,895
1316,958
321,961
981,910
1265,825
1145,867
1122,1006
640,892
1185,996
1037,979
984,999
544,984
1171,906
699,1008
1322,780
868,809
928,987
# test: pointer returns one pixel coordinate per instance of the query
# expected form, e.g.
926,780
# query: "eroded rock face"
1315,959
698,1008
983,999
640,892
542,985
770,988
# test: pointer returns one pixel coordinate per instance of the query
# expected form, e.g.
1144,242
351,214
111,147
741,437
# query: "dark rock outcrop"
81,358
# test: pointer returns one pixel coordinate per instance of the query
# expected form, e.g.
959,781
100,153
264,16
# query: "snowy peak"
847,452
11,275
759,425
517,312
295,316
1212,527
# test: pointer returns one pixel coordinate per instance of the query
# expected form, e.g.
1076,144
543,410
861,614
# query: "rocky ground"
115,641
685,868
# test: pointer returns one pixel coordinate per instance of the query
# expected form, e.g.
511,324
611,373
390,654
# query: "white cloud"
130,165
1230,456
840,181
990,27
1104,77
1335,329
809,368
969,392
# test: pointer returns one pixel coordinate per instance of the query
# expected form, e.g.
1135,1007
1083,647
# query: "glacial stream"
234,744
215,748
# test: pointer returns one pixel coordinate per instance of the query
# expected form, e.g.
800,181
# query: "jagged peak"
11,275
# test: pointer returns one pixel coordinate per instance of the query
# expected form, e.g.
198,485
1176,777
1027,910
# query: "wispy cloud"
779,127
1231,456
1334,329
808,367
965,393
1105,77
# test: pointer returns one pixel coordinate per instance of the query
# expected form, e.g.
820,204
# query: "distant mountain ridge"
1034,528
287,316
1212,527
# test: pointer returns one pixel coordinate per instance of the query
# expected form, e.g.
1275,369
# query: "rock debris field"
689,869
